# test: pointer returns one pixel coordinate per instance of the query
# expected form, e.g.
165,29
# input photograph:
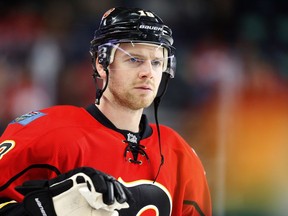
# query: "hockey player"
107,159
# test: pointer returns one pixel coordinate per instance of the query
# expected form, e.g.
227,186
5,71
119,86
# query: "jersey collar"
145,129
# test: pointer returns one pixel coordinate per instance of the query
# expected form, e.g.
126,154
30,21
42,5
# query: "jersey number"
5,147
146,13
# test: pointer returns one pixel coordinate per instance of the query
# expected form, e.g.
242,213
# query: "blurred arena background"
229,99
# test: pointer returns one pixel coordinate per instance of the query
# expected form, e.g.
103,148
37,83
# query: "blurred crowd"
229,98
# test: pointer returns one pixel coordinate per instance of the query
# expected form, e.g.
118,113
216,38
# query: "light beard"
132,101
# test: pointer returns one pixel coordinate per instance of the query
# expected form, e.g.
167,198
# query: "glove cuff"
39,203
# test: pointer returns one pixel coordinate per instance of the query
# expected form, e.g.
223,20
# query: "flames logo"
152,199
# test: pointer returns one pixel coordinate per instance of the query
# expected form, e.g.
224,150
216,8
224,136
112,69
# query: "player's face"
135,74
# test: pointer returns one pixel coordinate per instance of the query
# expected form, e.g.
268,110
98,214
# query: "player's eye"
135,60
157,63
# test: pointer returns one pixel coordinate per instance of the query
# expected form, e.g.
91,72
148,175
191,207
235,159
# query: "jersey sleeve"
38,145
17,161
197,200
192,195
18,158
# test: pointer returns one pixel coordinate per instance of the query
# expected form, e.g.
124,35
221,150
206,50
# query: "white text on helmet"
155,28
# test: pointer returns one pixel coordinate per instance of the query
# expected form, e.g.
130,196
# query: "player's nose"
146,69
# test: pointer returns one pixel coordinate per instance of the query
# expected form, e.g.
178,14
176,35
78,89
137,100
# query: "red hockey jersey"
45,143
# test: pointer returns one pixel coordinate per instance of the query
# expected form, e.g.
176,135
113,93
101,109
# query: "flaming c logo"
151,199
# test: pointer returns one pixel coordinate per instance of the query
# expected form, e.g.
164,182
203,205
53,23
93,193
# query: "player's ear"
100,69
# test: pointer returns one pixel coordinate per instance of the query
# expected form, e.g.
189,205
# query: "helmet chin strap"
99,84
105,58
157,101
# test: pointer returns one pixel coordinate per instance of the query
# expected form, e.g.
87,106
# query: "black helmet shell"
126,24
120,25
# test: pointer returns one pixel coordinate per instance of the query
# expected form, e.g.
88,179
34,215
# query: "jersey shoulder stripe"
28,117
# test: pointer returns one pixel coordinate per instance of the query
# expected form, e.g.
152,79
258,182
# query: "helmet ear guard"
104,54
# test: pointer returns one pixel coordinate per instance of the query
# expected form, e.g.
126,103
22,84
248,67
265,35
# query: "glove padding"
82,191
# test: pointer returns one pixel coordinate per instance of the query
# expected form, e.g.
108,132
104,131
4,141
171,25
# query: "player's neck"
123,118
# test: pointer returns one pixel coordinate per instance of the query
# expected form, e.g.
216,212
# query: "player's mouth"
144,88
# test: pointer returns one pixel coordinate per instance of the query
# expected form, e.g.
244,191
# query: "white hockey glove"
82,191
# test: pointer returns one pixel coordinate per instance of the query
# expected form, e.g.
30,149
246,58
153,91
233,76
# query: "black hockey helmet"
120,25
